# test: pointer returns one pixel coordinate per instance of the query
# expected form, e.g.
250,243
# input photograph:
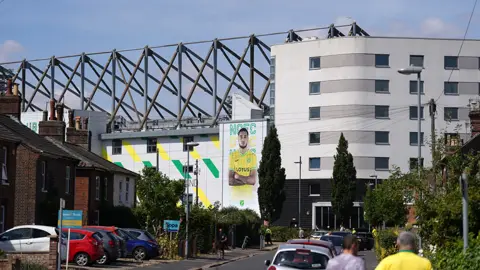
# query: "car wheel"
82,259
139,253
104,259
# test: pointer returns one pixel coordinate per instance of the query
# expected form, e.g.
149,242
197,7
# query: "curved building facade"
351,85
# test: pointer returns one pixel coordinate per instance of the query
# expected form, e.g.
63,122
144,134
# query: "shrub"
451,256
385,243
169,246
283,234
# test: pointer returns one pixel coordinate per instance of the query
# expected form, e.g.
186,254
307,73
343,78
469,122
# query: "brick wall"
10,105
82,196
25,186
48,259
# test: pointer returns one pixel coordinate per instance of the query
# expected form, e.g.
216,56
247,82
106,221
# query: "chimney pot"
15,89
85,123
52,110
60,111
9,87
77,122
44,116
71,123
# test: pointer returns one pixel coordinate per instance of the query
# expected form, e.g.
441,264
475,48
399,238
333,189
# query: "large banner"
242,151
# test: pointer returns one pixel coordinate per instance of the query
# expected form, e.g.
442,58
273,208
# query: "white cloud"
9,48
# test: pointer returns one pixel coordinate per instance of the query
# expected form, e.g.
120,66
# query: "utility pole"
464,188
299,162
196,182
433,110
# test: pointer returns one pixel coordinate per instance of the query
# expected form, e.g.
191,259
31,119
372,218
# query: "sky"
41,29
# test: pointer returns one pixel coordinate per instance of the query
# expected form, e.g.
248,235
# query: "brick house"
37,172
95,177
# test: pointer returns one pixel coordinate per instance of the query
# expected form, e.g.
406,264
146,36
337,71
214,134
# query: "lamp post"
299,162
190,145
464,189
409,71
376,179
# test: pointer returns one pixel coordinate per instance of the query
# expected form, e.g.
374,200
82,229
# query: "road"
257,262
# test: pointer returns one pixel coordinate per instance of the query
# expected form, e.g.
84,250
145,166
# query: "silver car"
291,256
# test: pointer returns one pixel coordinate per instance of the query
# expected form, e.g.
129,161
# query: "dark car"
122,251
110,247
342,234
366,240
141,234
136,248
336,240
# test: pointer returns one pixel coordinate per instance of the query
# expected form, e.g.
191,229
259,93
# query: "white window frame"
127,187
44,175
67,179
105,186
3,167
97,188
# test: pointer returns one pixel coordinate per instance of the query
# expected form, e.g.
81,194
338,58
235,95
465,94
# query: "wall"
7,191
48,259
120,197
25,186
82,185
347,97
94,204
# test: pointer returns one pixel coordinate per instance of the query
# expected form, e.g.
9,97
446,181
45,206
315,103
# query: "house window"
414,138
2,218
381,163
452,139
3,165
314,88
97,217
105,189
43,173
116,147
382,112
314,138
314,113
416,60
413,163
414,112
187,170
450,113
315,62
382,137
414,87
450,62
120,191
314,189
151,145
127,189
186,140
67,179
382,86
314,163
97,188
450,88
382,60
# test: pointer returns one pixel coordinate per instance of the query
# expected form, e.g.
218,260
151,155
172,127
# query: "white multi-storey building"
321,88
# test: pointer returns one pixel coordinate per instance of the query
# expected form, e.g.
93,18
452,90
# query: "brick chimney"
10,102
75,133
55,126
474,116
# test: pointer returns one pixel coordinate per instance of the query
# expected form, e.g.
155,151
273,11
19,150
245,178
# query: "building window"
151,145
450,113
452,139
382,86
414,138
186,140
67,179
382,112
416,60
450,88
105,189
43,173
116,147
314,189
272,68
314,88
450,62
382,60
2,218
3,165
272,93
120,191
127,189
382,137
314,138
314,164
314,113
414,112
97,188
381,163
413,163
414,87
315,62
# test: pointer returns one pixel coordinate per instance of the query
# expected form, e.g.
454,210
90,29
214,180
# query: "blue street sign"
71,218
171,225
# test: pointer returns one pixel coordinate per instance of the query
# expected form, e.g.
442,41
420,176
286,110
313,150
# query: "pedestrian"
301,233
268,236
222,244
349,259
405,259
354,231
342,229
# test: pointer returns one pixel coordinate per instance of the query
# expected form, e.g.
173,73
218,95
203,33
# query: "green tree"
158,196
271,194
343,182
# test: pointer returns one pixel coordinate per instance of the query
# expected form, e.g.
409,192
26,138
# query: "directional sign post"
171,225
70,219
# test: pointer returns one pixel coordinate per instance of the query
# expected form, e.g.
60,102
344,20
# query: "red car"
85,247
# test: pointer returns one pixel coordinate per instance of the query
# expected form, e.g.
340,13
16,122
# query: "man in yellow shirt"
405,259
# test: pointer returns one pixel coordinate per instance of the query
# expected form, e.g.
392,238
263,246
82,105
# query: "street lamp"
376,179
190,145
409,71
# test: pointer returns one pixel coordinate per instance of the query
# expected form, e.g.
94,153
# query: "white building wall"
292,99
123,196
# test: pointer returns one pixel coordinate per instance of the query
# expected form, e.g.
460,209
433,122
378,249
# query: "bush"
385,243
169,246
451,256
283,234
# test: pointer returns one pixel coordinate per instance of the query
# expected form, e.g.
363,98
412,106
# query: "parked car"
136,248
85,247
122,243
291,256
342,234
314,242
110,246
141,234
366,241
336,240
27,238
318,234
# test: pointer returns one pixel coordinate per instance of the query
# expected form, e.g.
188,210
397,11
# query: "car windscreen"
125,235
337,241
149,236
301,259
